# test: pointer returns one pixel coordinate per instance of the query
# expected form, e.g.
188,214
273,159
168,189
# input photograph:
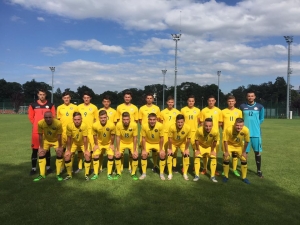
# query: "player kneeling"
235,140
104,138
77,140
206,139
49,130
152,139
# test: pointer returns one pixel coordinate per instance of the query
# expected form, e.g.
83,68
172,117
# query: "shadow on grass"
150,201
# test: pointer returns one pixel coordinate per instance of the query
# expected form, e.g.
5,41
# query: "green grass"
272,200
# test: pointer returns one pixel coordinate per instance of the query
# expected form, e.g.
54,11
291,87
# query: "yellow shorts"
48,145
64,139
175,147
237,150
78,148
103,149
124,146
150,147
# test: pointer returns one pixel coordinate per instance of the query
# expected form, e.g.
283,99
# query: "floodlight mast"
164,74
219,74
289,41
52,68
176,38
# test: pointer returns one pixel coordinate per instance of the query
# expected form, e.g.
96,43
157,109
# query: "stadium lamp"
52,68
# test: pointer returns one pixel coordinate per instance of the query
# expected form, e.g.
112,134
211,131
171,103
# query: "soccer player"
36,112
126,138
144,111
179,137
111,114
211,111
127,106
253,113
64,114
152,140
104,139
77,140
49,130
205,143
229,116
235,140
89,114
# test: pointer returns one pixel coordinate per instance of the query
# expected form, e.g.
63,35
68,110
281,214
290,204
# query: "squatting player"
144,111
77,140
36,112
152,134
205,143
50,131
126,138
254,113
104,139
235,140
229,116
168,118
179,137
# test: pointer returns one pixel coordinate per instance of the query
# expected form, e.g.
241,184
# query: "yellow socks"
197,165
80,159
244,168
96,166
134,166
42,165
58,163
144,165
186,163
213,166
110,163
162,164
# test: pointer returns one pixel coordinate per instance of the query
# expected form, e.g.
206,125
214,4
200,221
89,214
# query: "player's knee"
226,162
59,153
110,157
234,155
59,157
41,154
257,154
144,155
162,155
226,158
243,163
95,157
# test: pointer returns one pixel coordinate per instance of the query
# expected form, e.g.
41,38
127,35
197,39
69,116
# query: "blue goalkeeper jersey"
253,116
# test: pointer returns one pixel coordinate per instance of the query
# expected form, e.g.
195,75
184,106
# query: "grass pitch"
271,200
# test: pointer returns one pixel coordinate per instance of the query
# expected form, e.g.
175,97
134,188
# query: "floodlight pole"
52,68
176,38
218,73
164,74
289,40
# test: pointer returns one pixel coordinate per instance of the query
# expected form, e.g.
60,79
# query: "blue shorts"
255,143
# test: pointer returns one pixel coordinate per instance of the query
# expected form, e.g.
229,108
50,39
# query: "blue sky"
119,44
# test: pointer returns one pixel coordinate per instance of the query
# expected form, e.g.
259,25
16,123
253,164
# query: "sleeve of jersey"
85,131
113,129
143,132
94,130
197,136
262,115
225,135
118,130
135,130
217,137
189,134
201,116
161,131
136,114
220,116
140,113
158,112
53,110
96,114
170,133
59,131
117,116
69,130
31,114
40,127
240,114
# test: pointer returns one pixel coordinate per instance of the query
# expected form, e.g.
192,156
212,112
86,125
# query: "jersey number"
85,113
67,114
231,118
104,134
191,117
178,137
250,113
126,135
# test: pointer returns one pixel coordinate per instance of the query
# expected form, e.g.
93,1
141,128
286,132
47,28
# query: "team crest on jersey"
182,132
235,113
47,107
153,110
71,108
210,135
174,113
107,129
79,130
131,109
110,113
90,109
215,112
156,130
53,128
255,108
242,133
194,111
130,129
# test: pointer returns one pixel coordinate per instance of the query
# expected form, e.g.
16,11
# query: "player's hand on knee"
118,154
213,153
186,152
245,155
170,152
87,155
162,154
197,152
135,155
144,154
59,151
41,152
67,155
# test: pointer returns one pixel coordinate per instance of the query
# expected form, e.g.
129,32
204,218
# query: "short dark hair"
149,94
208,120
170,98
179,117
86,93
230,97
65,93
125,114
192,96
127,92
106,97
76,114
152,115
211,96
42,90
250,91
239,120
102,112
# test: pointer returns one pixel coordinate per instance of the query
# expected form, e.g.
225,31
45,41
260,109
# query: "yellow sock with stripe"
144,165
174,160
244,168
69,165
162,164
100,162
226,168
110,164
213,166
234,161
154,158
118,163
58,163
42,165
186,163
134,166
197,165
96,166
87,166
63,162
205,160
80,159
170,164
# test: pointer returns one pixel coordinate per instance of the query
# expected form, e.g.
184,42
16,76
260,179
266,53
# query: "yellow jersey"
77,133
126,134
168,118
65,114
152,135
235,138
191,116
145,110
179,136
89,114
104,133
50,132
229,117
215,113
131,109
111,113
206,139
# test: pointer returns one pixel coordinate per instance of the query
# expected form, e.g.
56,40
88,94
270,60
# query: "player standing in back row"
253,114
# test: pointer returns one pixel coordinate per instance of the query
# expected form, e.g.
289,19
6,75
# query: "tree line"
266,93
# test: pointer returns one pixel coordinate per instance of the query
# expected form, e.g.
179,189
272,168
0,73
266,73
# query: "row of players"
191,114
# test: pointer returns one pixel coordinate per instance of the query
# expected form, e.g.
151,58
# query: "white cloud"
16,19
93,45
53,51
40,19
